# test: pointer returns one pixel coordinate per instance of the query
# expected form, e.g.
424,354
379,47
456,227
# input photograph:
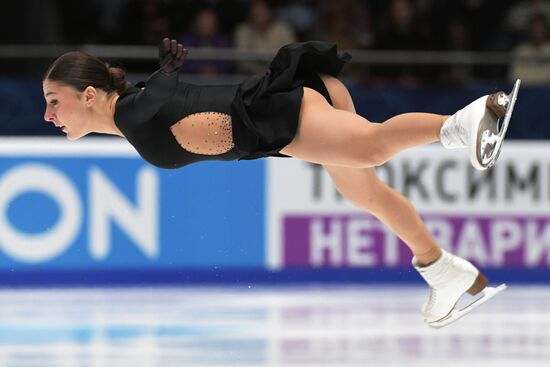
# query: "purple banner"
355,241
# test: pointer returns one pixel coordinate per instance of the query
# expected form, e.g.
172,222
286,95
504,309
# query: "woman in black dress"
298,109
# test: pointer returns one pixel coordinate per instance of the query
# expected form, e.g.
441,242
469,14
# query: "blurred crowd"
520,27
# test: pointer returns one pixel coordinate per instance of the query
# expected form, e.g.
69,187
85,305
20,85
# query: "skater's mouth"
61,127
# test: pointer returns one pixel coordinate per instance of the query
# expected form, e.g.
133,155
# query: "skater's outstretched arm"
160,86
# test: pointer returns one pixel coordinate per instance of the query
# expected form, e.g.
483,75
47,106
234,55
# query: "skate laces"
432,300
437,275
453,134
460,135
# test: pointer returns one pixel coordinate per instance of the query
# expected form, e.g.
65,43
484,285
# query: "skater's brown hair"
80,70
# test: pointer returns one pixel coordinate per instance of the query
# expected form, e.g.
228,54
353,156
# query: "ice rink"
266,326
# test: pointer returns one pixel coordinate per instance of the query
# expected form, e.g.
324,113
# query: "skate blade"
454,315
488,161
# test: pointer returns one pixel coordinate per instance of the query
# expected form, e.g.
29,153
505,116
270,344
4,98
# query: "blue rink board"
210,227
209,215
246,277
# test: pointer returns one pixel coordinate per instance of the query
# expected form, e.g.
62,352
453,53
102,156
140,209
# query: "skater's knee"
374,153
379,157
366,159
365,148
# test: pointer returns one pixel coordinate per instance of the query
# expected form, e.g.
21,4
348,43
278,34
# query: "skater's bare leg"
330,136
362,187
447,275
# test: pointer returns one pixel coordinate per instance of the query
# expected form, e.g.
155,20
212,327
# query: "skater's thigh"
334,137
338,92
360,186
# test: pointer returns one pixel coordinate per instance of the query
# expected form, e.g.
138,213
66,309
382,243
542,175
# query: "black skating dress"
254,119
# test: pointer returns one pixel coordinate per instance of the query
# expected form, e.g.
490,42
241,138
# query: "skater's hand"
171,55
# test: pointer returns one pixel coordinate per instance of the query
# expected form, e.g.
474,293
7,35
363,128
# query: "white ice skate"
481,126
450,278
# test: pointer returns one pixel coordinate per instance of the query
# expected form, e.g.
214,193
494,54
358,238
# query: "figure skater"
297,109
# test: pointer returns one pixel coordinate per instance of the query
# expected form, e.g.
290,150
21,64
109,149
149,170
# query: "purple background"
297,243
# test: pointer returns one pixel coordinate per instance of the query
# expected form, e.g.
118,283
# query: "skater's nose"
49,115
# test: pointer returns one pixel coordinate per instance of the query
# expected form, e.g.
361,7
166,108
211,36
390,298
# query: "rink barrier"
93,213
247,278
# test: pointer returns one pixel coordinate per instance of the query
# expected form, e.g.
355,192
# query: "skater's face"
69,109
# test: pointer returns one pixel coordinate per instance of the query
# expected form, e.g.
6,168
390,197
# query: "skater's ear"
90,96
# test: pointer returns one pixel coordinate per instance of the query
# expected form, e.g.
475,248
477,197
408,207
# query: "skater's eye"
53,102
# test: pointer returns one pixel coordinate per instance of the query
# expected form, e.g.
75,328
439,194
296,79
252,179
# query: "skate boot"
449,278
481,127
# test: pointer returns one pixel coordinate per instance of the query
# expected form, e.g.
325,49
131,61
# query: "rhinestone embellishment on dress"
208,133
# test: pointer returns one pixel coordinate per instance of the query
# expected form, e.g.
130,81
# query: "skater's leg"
330,136
448,276
364,189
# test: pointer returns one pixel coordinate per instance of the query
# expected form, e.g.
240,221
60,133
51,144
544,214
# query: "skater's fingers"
171,55
164,50
179,54
173,47
165,45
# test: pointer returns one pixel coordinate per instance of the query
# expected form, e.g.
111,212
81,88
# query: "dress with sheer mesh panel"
172,124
